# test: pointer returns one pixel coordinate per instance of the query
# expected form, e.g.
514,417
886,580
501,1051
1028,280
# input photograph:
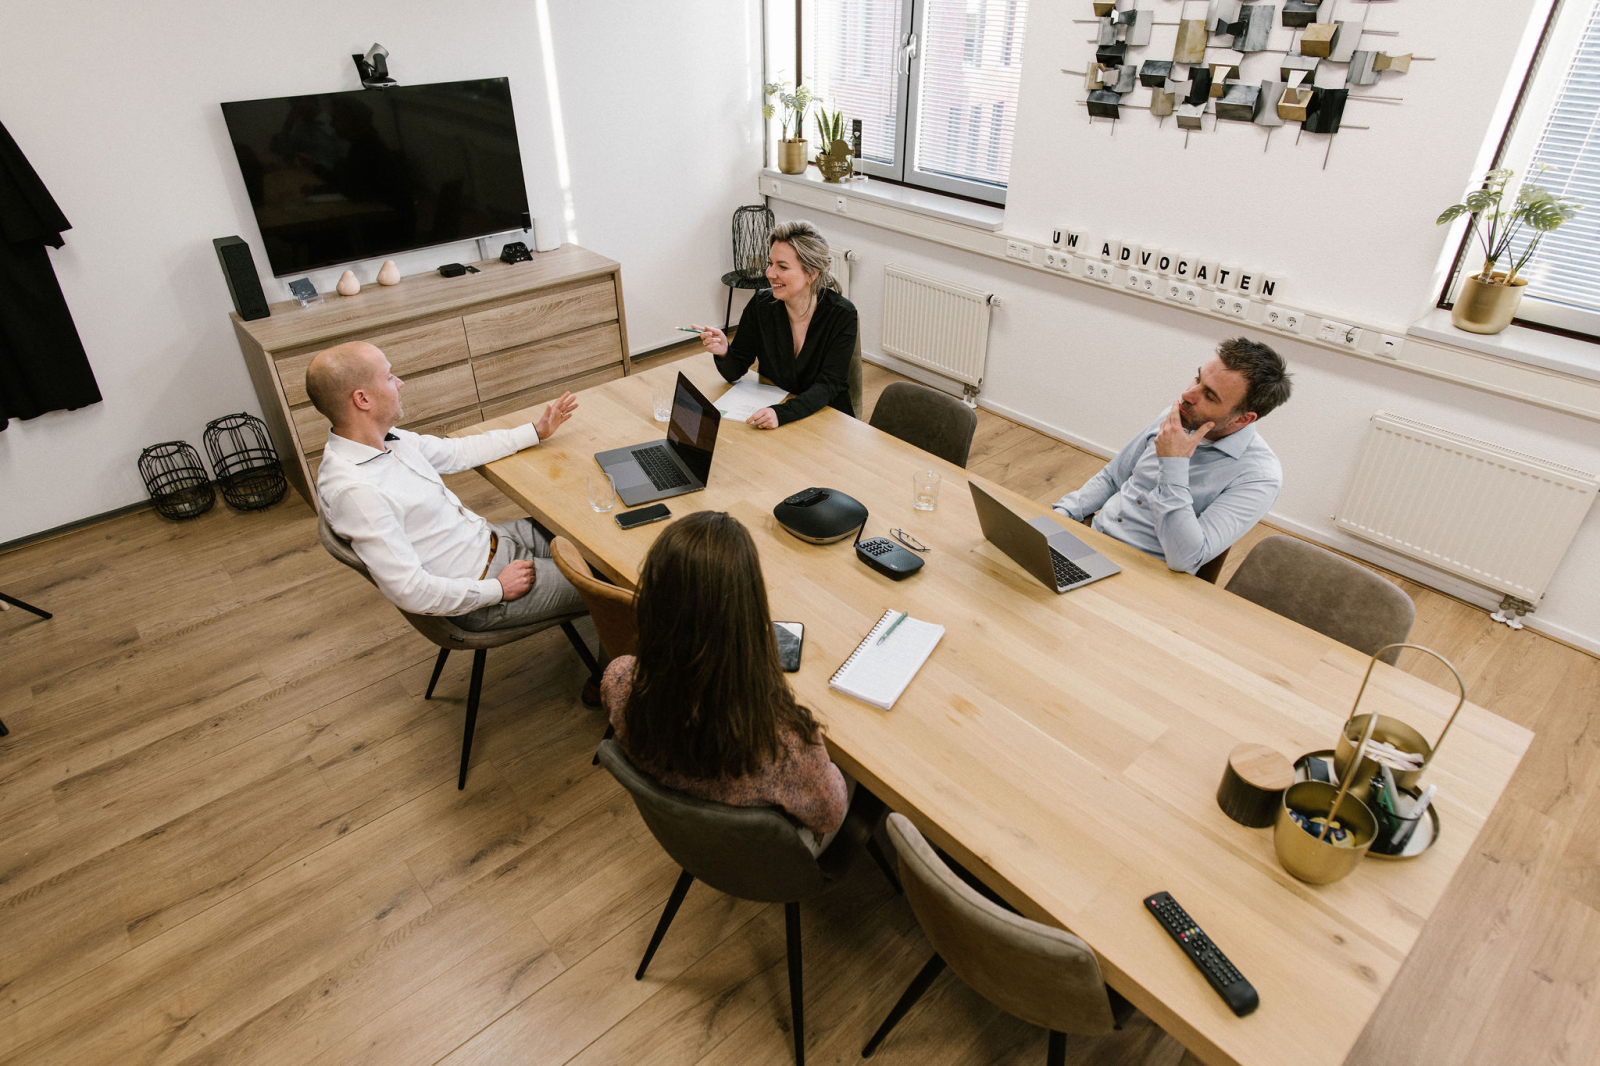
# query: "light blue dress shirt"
1183,511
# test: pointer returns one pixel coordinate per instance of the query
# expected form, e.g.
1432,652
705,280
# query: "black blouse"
819,376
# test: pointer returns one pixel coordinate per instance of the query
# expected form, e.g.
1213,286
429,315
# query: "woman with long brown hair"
704,707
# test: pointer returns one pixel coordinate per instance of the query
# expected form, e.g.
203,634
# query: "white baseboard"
1329,538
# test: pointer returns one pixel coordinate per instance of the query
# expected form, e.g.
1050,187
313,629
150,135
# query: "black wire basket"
178,484
247,466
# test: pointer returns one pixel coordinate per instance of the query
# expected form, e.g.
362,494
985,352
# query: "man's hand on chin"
1175,442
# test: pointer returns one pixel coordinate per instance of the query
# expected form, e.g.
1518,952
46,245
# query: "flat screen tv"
338,177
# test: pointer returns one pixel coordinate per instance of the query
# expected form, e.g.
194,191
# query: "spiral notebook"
877,673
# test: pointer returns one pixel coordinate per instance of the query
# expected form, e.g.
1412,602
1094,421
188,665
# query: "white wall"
1093,366
116,107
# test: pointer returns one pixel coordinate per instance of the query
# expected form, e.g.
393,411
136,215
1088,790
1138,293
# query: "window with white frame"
1554,142
934,83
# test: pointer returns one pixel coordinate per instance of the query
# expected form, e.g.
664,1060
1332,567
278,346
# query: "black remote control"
1239,994
806,497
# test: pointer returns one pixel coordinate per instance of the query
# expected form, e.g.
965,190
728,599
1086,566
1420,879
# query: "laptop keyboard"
1067,571
659,468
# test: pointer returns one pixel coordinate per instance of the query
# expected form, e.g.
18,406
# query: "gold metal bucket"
1390,731
1314,859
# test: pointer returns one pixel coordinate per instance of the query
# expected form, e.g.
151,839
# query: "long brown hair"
709,699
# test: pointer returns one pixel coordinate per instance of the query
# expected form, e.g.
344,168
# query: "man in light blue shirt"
1195,480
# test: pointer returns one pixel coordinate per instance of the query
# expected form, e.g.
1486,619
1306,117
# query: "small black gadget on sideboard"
821,516
515,252
244,284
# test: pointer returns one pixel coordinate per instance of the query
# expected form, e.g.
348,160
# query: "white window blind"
853,44
1566,268
971,60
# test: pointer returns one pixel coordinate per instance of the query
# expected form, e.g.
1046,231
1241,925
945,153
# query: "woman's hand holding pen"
714,339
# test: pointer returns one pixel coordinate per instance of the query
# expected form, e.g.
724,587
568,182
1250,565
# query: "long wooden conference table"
1067,748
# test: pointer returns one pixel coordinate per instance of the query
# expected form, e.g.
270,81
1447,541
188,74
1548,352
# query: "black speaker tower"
244,284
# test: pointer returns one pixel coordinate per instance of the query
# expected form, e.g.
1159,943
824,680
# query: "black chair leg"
882,860
3,730
797,1008
583,651
1057,1055
919,984
674,901
438,668
472,711
46,614
611,731
727,319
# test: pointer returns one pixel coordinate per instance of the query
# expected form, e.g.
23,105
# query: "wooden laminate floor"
229,832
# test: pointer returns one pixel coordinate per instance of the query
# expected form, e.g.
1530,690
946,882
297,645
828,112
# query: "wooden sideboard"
469,348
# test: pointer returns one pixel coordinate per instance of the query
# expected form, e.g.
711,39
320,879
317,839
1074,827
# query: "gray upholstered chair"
450,637
855,375
753,853
1325,592
932,420
1043,975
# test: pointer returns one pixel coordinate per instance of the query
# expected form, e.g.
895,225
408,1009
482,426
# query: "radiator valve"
1511,611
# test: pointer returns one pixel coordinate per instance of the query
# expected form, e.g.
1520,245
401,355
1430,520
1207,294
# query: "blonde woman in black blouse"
800,333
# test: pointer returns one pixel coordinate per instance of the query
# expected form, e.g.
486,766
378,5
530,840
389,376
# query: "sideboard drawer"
535,319
509,372
425,396
410,350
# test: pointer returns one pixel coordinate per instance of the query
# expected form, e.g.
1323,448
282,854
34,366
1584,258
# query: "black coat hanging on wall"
43,366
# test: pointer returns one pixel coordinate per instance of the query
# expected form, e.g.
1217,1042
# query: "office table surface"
1067,748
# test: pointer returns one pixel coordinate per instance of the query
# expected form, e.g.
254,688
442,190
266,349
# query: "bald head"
337,372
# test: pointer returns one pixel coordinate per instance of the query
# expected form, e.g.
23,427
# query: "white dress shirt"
423,548
1185,511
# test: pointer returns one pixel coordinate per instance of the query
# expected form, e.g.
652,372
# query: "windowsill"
919,201
1550,351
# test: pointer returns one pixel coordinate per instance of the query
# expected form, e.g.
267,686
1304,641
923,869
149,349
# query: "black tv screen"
338,177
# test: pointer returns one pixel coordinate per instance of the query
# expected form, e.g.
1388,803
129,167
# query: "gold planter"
792,156
1486,308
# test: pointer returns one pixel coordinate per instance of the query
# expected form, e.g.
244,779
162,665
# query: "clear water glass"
661,393
602,491
925,489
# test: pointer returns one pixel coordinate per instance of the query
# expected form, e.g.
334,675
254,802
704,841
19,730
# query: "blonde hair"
811,248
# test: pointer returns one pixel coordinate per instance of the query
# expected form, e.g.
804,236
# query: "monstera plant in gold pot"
1488,300
793,148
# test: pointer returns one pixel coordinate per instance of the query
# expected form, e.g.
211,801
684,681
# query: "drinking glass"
602,491
925,489
661,393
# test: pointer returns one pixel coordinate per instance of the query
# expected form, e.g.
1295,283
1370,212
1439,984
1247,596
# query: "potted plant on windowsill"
793,148
1488,300
834,159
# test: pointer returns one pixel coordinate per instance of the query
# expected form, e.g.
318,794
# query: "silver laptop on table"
1040,546
658,469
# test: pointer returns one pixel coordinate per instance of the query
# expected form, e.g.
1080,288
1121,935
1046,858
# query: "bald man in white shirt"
379,488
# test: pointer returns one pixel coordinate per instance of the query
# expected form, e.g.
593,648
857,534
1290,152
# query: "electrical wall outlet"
1174,290
1219,303
1238,306
1132,280
839,204
1020,251
1388,346
1352,337
1332,331
1106,272
1148,283
772,187
1191,296
1050,260
1293,321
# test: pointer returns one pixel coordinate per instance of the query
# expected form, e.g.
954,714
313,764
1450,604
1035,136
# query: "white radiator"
936,324
1497,518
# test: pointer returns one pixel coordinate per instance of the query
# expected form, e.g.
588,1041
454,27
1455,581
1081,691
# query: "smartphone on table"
643,516
791,637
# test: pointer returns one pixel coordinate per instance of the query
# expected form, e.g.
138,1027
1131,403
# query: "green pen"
687,329
886,632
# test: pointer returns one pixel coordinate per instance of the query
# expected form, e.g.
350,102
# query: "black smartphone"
643,516
791,638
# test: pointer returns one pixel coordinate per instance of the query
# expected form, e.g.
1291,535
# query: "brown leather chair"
610,607
1326,592
932,420
1043,975
450,637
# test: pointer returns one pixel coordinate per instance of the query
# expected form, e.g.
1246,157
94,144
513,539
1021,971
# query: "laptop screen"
692,432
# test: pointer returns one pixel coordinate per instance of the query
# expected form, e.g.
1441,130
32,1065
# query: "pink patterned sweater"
804,782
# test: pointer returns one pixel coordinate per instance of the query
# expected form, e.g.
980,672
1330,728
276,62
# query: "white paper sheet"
748,397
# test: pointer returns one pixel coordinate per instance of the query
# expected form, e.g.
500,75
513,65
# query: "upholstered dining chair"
1043,975
450,637
1325,592
610,607
927,418
753,853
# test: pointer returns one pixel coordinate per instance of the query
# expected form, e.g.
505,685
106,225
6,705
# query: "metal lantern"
177,482
246,464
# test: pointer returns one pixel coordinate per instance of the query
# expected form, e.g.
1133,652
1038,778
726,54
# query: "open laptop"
655,470
1040,546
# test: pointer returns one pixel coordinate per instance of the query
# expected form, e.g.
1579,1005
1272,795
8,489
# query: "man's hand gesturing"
555,414
1173,441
